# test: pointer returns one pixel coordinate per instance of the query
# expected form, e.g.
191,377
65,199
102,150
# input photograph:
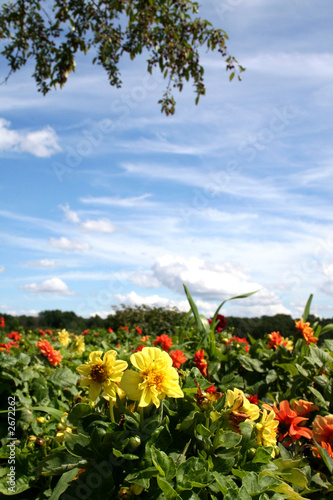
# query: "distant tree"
170,32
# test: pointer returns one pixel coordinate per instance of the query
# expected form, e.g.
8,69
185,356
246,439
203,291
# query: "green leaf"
325,456
57,414
307,308
288,367
163,463
262,455
228,439
195,311
167,489
78,411
143,477
63,483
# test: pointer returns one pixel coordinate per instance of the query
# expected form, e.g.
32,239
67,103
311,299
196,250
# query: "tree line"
151,320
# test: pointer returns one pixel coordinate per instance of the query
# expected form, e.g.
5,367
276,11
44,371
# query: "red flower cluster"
164,340
2,322
124,328
15,338
139,330
220,322
85,332
48,351
290,422
178,358
200,363
240,340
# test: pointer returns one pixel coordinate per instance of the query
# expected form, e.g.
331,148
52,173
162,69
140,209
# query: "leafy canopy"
52,33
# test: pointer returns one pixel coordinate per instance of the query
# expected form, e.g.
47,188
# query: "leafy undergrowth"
200,414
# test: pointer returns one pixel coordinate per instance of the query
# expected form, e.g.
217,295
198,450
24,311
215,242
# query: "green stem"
141,414
111,411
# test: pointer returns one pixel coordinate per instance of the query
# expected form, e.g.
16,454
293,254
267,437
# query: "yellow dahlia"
101,373
266,429
63,338
237,402
155,380
79,345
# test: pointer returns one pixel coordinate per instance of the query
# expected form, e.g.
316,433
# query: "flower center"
98,373
154,378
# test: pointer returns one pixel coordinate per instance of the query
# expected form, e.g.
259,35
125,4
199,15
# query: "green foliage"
202,446
169,33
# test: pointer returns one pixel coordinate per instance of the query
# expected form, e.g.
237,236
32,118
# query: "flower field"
200,414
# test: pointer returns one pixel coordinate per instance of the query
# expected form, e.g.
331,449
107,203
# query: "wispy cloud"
130,202
69,246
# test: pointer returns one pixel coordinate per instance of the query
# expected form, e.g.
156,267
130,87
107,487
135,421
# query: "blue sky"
105,201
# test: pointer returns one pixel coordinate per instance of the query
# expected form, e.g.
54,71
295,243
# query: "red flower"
164,340
124,328
200,363
302,408
211,389
49,332
178,358
8,346
42,332
110,330
139,348
239,340
2,322
85,332
14,335
253,399
289,422
220,322
139,330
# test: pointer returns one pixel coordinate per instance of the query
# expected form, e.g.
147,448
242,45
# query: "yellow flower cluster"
241,409
155,379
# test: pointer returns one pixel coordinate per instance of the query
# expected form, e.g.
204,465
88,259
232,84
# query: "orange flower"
289,422
178,358
302,408
275,339
326,447
145,338
164,340
110,330
306,331
323,429
48,351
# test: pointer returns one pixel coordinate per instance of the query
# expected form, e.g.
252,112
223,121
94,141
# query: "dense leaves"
253,419
169,33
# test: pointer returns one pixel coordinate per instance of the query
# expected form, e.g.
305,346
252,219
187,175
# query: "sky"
106,201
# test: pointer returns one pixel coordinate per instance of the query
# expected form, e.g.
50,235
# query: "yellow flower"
156,378
237,402
63,338
266,430
106,373
79,346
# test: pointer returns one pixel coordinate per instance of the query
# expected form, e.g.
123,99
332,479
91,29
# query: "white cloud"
145,279
41,143
206,279
70,215
69,246
2,269
53,285
130,202
102,225
41,263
